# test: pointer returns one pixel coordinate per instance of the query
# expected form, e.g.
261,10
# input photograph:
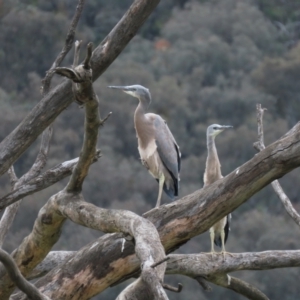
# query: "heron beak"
123,88
226,126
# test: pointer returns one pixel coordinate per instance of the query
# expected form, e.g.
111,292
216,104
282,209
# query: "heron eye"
215,128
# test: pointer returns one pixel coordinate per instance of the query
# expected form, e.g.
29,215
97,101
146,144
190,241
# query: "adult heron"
157,146
219,231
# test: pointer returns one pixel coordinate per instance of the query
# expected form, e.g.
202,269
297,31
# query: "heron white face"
136,90
215,129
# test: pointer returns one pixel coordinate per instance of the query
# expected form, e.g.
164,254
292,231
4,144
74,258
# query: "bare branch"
44,113
177,289
43,181
29,289
41,159
239,286
46,82
105,119
10,212
64,205
183,219
12,176
40,162
194,265
286,202
7,219
203,283
84,93
259,145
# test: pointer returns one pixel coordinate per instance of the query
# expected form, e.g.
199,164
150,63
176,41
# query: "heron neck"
211,147
143,106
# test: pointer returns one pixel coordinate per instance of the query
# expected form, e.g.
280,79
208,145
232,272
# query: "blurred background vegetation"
204,62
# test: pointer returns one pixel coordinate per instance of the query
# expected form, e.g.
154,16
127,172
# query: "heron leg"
223,244
161,185
212,237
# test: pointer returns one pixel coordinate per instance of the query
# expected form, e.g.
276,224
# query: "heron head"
215,129
137,91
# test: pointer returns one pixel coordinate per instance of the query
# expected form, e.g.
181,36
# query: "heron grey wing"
167,147
227,227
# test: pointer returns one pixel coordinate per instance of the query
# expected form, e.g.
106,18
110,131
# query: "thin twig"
29,289
105,119
203,284
160,262
259,146
172,288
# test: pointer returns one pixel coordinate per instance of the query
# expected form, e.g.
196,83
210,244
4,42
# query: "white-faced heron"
218,232
157,147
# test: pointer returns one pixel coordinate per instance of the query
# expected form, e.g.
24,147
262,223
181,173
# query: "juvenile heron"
218,232
157,147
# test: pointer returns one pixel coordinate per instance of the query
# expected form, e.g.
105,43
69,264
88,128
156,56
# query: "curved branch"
239,286
44,113
29,289
35,247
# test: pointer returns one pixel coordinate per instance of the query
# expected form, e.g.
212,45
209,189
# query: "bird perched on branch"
157,147
219,231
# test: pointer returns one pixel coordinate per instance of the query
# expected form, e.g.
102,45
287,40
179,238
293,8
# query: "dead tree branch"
40,162
43,181
29,289
41,159
239,286
44,113
259,145
179,221
84,93
70,204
